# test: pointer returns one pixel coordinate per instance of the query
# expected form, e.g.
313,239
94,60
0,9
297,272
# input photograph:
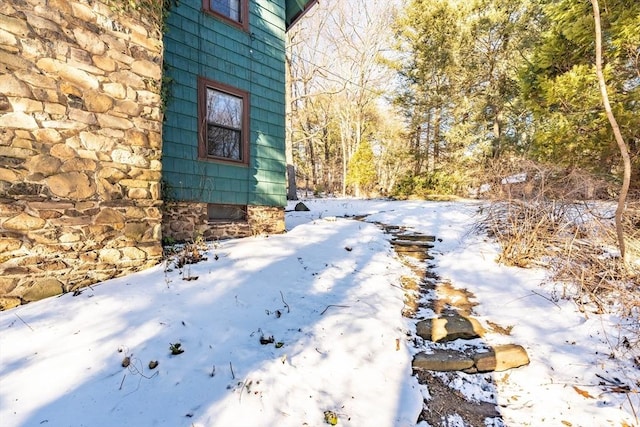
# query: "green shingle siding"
198,44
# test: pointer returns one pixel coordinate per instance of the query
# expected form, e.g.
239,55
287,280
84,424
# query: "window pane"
222,142
226,212
229,8
223,109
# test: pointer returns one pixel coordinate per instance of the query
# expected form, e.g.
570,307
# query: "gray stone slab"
443,361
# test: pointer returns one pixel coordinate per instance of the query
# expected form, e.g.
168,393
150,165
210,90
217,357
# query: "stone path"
452,318
449,339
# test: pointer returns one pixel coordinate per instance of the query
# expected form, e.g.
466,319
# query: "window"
223,122
235,12
226,212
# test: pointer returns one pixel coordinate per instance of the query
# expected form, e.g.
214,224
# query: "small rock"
301,207
267,340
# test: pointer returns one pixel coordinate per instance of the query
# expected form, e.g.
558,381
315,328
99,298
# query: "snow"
327,292
515,179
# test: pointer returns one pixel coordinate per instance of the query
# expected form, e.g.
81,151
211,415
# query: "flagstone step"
412,244
493,359
449,327
415,237
453,321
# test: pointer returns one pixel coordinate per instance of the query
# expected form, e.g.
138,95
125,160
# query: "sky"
277,330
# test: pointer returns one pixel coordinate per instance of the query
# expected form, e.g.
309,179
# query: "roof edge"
300,13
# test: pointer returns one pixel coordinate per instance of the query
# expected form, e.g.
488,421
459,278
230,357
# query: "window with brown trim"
236,12
223,117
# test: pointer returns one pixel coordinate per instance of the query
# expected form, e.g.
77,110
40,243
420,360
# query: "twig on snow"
285,303
244,383
333,305
28,326
548,299
632,408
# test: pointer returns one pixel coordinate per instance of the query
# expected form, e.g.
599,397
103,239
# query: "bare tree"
308,80
336,80
624,151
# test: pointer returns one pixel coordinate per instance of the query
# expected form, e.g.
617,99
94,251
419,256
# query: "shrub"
430,184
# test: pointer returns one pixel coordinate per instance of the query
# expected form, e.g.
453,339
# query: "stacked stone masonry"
186,222
80,146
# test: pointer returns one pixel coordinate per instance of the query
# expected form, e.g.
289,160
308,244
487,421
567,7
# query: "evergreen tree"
460,66
561,89
362,169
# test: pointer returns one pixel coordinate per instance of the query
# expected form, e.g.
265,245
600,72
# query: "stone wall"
266,219
184,222
80,146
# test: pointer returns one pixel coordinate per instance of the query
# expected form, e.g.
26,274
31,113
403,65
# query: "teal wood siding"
198,44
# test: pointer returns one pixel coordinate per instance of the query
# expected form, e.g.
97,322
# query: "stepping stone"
449,297
501,358
443,360
495,359
449,327
415,244
415,237
420,255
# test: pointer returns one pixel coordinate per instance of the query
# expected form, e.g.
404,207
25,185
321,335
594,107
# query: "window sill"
243,26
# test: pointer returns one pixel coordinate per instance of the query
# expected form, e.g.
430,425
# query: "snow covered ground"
277,330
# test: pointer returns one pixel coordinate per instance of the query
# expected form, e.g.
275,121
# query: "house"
223,140
91,177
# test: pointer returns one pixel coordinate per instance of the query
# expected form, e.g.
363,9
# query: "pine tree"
561,89
362,170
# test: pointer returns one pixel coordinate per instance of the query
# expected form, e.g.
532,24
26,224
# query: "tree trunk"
417,165
312,163
292,190
436,137
326,174
343,146
624,151
497,134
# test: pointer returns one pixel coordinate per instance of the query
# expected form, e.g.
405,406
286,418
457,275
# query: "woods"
443,89
533,105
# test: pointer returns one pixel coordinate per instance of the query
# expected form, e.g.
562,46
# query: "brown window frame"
203,85
242,24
